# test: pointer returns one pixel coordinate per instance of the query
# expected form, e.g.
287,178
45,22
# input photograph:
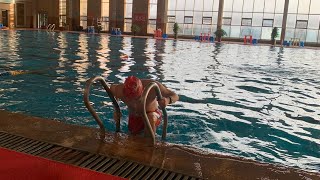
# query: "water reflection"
126,56
62,45
115,45
9,47
103,56
81,65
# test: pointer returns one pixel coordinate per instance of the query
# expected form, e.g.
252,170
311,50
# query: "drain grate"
100,163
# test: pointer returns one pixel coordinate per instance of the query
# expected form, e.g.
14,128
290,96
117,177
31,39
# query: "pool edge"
168,156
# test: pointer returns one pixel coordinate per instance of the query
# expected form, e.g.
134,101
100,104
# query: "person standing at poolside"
130,92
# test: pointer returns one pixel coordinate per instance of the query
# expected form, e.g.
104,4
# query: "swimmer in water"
19,72
130,92
124,57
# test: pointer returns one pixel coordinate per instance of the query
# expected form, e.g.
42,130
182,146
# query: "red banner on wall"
139,17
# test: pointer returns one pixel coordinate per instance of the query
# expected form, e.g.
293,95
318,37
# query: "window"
207,20
188,19
152,18
302,24
105,15
248,6
20,11
246,22
171,19
152,25
128,20
152,21
83,13
128,16
153,6
104,23
105,19
62,13
226,21
62,20
128,9
83,21
127,24
195,16
83,18
267,23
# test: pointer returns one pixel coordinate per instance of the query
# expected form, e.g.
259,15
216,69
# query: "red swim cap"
132,87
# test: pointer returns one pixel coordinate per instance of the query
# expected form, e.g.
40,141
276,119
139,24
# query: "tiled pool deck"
180,159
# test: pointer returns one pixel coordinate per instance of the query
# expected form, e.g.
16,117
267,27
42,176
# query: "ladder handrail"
164,111
117,107
49,26
89,106
53,27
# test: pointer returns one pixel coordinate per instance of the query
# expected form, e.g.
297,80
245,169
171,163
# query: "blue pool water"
257,102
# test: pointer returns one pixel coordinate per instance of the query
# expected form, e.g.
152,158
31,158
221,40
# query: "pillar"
12,16
73,14
140,12
69,14
162,15
29,14
94,11
35,13
116,14
284,21
220,14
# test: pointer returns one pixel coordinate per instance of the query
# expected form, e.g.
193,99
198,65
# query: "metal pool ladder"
117,107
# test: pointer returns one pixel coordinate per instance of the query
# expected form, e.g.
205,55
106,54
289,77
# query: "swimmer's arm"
20,72
115,89
169,97
15,73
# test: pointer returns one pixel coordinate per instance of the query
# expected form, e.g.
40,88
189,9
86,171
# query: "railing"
51,27
90,108
164,111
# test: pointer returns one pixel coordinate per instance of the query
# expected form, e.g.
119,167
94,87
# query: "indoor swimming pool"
256,102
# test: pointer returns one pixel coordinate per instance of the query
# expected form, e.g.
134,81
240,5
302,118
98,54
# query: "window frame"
207,18
152,21
243,24
104,19
184,20
83,18
226,18
306,21
263,24
174,17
